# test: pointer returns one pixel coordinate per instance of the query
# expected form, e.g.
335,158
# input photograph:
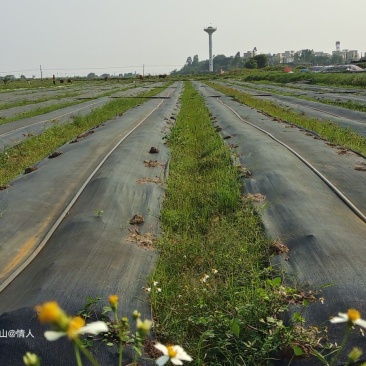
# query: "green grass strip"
348,79
352,105
21,103
216,293
327,129
14,160
51,108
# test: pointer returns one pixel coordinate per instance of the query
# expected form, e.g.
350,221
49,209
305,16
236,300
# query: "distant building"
347,55
250,54
352,55
290,57
247,55
286,57
277,58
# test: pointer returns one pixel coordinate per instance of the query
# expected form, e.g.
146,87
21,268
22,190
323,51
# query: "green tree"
7,78
222,62
336,59
297,57
236,61
92,75
262,60
195,60
305,57
251,64
322,60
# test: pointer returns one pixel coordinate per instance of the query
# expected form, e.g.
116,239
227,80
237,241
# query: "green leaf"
138,350
106,309
110,344
297,350
235,328
276,281
320,357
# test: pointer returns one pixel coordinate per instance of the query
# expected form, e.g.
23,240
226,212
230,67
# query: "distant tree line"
232,63
223,63
308,57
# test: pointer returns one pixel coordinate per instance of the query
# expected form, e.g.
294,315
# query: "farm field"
67,230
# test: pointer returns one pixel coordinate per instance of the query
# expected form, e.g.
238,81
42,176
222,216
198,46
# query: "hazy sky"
118,36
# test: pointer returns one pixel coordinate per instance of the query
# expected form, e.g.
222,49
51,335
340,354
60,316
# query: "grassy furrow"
14,160
327,129
217,290
348,79
53,107
352,105
23,102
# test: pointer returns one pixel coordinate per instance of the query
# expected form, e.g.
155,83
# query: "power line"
88,68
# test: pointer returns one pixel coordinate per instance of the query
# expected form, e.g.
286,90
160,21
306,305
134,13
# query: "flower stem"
120,350
77,355
344,341
85,352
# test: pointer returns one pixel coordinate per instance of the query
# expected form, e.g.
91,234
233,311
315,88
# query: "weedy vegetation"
15,159
24,102
326,129
219,296
352,105
51,108
336,79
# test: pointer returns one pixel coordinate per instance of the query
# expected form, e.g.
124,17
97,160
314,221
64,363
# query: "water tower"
210,30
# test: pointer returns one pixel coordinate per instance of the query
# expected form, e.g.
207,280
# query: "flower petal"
94,328
176,361
360,322
52,335
185,356
337,319
162,360
161,348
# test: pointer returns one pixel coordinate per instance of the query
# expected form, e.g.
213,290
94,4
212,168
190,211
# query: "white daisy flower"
176,354
352,316
74,329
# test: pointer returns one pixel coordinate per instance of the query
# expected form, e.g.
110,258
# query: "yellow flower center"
75,324
49,312
353,315
171,351
113,300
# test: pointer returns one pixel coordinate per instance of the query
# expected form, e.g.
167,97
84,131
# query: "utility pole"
40,68
143,70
